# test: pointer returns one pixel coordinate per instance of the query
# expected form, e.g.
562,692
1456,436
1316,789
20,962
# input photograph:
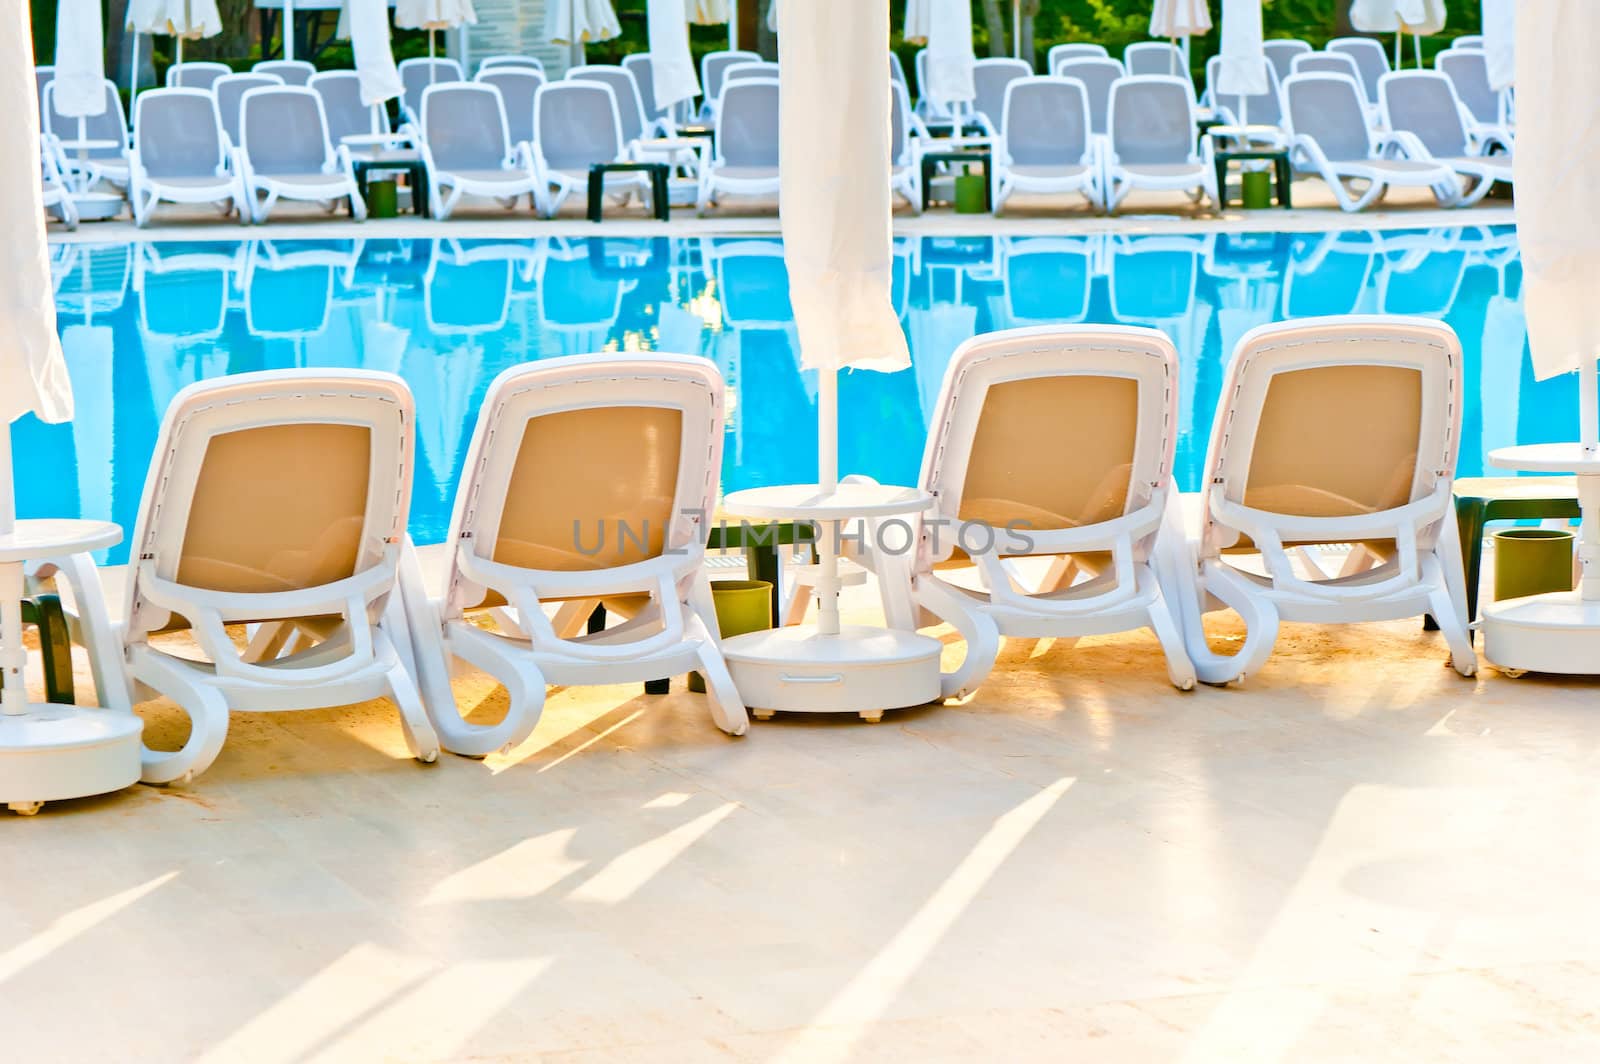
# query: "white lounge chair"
1097,75
215,546
1488,110
56,196
1046,142
289,71
1062,53
1340,63
533,530
419,75
990,78
466,147
1049,280
528,61
1423,105
630,105
712,66
1329,136
1331,431
1371,59
519,86
94,164
1150,130
180,155
576,125
1155,57
745,162
229,91
1280,52
196,75
1049,459
285,153
362,128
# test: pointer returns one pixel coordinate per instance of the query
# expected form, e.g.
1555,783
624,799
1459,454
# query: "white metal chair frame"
1007,181
144,191
274,187
557,186
518,159
1117,181
92,169
1425,577
1481,167
712,181
676,634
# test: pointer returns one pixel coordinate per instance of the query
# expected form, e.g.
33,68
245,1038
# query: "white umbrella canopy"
709,12
366,24
950,56
33,373
1174,19
1400,17
672,70
919,21
1243,70
434,14
188,19
1500,42
80,59
576,22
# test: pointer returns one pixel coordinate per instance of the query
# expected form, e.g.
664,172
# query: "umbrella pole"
827,483
1016,29
133,71
13,655
288,29
1589,404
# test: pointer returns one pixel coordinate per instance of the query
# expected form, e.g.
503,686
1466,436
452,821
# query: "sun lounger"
95,164
419,75
518,86
285,153
467,149
229,91
1151,139
576,126
1423,106
1371,59
56,196
180,155
1046,144
990,78
745,162
1097,75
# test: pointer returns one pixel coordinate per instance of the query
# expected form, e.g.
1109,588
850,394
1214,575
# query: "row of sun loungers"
1059,439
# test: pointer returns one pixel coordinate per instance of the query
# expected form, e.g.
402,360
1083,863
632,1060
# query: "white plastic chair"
1331,431
467,149
1053,445
577,125
533,531
94,164
1422,106
625,90
1046,143
1488,111
1329,136
745,162
289,71
285,152
180,155
196,75
216,546
1150,130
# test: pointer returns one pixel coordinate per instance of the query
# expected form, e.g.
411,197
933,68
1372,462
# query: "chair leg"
208,723
421,739
981,634
1448,599
1179,668
98,635
727,708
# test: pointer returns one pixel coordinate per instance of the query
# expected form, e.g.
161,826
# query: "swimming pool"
140,321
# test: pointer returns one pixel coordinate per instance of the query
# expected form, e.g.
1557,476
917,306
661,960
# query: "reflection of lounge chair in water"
577,307
1329,274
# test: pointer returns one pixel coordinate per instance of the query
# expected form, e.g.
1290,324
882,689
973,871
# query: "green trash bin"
383,199
970,198
1532,561
743,606
1257,189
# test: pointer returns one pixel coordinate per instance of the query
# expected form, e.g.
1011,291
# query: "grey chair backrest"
1327,63
897,72
1423,102
1468,71
1329,109
741,71
1062,53
341,105
42,76
417,75
900,118
1264,109
1097,75
518,86
1280,53
1154,57
1046,121
1372,60
195,75
990,77
528,61
1152,120
464,124
283,130
292,71
110,124
643,70
747,124
576,124
714,64
177,133
630,108
230,89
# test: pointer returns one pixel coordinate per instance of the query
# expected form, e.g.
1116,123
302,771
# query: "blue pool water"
141,321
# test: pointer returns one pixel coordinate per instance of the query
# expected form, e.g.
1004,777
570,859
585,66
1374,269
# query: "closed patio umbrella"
919,21
671,66
365,23
1499,42
576,22
1243,70
80,90
950,56
709,12
180,19
1174,19
1399,17
433,16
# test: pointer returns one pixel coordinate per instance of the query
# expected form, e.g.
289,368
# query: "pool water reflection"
138,322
